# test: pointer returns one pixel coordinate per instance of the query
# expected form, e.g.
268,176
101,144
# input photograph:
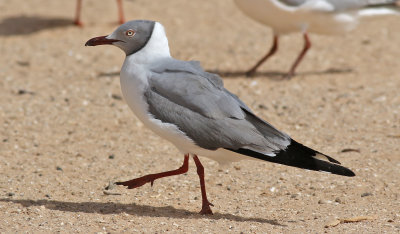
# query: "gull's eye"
130,33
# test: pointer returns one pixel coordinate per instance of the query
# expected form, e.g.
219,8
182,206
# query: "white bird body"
134,81
287,19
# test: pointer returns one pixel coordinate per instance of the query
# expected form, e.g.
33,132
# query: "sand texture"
66,132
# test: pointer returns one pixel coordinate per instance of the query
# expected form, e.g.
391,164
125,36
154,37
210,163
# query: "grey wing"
193,67
336,5
196,90
212,117
212,133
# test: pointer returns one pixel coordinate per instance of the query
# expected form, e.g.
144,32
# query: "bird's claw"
205,209
135,183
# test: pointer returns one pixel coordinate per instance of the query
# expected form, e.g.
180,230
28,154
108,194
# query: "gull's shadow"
133,209
24,25
276,75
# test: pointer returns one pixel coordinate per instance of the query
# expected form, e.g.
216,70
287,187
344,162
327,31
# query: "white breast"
133,84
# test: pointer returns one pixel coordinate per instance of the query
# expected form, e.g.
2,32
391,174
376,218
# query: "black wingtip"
350,173
333,168
298,155
301,156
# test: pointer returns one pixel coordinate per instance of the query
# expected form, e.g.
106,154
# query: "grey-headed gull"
314,16
190,107
78,21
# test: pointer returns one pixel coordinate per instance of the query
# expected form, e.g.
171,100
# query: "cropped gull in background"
314,16
78,21
189,107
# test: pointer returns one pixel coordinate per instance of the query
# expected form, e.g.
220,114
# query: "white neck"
156,48
134,72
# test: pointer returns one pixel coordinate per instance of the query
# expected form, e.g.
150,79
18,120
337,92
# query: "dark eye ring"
130,33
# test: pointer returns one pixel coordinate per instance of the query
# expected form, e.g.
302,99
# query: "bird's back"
285,18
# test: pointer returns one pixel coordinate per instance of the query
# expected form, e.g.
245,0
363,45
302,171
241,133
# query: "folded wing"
197,103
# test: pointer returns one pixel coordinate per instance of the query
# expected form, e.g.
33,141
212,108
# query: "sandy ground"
66,132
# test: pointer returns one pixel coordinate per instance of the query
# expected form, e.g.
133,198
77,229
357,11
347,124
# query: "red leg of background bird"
307,45
77,20
120,12
272,51
150,178
205,209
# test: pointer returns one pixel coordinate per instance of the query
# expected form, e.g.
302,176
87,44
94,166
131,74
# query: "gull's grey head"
129,37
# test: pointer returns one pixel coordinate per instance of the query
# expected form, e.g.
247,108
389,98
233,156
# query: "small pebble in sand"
350,150
23,63
110,193
22,92
116,97
59,168
338,200
324,202
263,107
110,186
366,194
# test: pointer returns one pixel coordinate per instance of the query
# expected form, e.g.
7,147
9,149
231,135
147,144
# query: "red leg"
272,51
205,204
307,45
77,20
120,12
150,178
